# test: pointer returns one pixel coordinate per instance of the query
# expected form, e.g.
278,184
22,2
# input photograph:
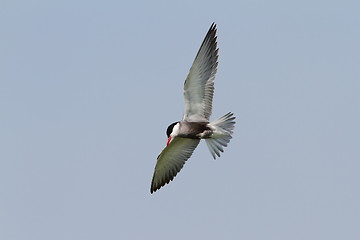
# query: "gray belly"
194,129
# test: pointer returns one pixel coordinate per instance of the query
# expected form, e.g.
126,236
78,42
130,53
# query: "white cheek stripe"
176,130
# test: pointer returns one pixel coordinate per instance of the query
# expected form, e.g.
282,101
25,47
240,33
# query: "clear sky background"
88,88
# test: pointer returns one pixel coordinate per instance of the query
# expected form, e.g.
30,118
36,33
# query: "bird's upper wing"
199,84
171,160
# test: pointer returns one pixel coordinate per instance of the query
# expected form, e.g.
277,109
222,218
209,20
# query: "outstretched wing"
171,160
199,84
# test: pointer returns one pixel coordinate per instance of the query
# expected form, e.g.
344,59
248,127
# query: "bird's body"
195,130
185,135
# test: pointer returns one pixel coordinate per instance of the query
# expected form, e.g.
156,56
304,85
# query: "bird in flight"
185,135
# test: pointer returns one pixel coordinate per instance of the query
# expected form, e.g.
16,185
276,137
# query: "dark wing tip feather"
210,37
213,26
166,180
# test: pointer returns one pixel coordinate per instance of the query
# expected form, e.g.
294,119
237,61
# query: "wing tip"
156,186
213,26
212,30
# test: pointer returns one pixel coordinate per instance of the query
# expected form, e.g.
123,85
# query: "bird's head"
172,131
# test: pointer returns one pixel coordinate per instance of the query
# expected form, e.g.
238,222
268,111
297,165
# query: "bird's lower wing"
171,160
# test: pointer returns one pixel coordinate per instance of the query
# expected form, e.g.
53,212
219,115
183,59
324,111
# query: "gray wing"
171,160
199,84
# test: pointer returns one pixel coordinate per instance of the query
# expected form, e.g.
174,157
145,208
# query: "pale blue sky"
88,88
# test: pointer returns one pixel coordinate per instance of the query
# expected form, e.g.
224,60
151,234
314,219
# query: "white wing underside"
199,84
171,160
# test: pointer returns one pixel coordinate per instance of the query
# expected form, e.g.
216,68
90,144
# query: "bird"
184,136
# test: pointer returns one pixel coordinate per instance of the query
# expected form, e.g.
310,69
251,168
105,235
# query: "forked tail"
222,131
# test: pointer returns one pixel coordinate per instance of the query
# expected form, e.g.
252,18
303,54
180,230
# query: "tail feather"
213,148
222,131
